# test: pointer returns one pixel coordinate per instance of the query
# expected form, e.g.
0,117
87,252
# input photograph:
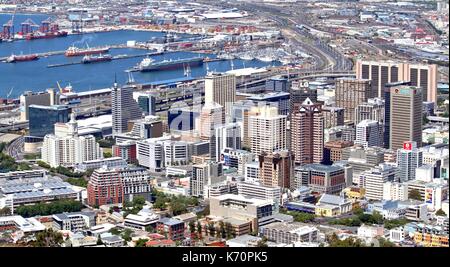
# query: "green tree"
199,229
440,212
262,243
334,241
43,164
222,230
150,229
99,241
385,243
126,235
115,231
160,203
48,238
414,194
5,211
192,227
229,230
107,155
141,242
211,229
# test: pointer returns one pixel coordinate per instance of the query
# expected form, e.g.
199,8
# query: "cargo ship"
21,58
149,64
75,51
93,59
47,35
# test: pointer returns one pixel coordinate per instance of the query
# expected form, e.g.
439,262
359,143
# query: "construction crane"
9,93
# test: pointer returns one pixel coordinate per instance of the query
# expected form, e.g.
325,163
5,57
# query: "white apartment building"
66,148
258,191
252,172
267,131
408,159
157,153
375,178
395,191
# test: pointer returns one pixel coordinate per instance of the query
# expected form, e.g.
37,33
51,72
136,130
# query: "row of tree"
43,209
224,230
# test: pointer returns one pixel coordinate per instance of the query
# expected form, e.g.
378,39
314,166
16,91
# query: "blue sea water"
36,76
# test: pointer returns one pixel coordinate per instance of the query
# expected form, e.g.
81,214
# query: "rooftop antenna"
232,64
115,80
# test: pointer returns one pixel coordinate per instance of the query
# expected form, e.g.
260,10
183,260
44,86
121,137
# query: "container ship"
47,35
75,51
149,64
21,58
93,59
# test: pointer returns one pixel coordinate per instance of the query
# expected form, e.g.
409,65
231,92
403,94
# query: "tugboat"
93,59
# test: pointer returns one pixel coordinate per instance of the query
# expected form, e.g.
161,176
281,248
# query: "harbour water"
36,76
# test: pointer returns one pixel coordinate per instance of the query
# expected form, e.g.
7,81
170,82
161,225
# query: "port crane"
8,27
66,89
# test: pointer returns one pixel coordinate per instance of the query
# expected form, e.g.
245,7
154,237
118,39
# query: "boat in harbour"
21,58
149,64
94,59
75,51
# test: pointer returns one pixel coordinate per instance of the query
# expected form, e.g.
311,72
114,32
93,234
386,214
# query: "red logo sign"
407,145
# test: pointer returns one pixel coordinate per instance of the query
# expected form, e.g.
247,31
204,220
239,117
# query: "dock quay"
61,52
114,58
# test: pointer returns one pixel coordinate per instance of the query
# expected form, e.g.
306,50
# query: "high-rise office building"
147,103
307,133
300,91
210,117
277,84
369,133
387,110
267,130
226,136
48,98
42,119
203,175
382,72
405,116
333,116
350,93
275,99
276,168
408,159
124,108
373,109
220,88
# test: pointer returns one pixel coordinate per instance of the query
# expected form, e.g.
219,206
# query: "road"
15,148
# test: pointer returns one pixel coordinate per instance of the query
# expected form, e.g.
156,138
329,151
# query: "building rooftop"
169,221
24,224
320,167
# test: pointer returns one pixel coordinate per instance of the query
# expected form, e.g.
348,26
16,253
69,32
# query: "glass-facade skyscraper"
42,119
